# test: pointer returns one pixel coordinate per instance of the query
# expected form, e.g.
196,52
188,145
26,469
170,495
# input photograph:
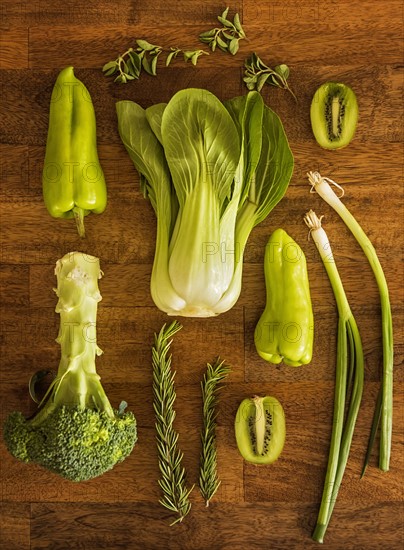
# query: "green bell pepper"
73,181
285,331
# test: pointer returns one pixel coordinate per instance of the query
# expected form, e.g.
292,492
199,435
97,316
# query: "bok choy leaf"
211,172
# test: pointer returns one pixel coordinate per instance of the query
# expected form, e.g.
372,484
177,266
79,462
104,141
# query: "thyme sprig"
173,477
227,37
208,477
129,65
257,73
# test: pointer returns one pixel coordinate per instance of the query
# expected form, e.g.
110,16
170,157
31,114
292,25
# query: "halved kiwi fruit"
333,115
260,429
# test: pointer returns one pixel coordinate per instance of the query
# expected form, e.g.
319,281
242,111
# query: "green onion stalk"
384,406
348,381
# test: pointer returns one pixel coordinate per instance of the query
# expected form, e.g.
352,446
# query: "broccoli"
75,432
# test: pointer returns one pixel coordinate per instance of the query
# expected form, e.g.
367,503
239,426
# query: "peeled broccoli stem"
77,383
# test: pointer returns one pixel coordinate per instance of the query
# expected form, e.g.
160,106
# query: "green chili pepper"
285,330
73,180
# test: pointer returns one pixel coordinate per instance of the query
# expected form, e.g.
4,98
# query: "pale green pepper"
73,181
285,331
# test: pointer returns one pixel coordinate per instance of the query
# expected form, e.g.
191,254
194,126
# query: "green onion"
348,383
384,405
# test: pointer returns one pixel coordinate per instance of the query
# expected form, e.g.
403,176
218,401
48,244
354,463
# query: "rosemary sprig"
208,478
257,74
145,56
172,481
227,37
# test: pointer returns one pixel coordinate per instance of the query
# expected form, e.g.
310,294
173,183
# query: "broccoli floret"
75,432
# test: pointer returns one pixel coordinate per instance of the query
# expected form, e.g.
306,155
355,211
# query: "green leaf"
225,22
154,115
261,81
194,58
136,63
252,78
227,35
144,45
146,66
282,70
237,24
208,34
153,65
110,65
146,152
169,58
121,79
224,14
213,45
247,112
276,80
221,43
233,46
275,166
110,71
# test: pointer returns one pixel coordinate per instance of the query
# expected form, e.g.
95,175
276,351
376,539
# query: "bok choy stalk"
212,172
348,381
384,405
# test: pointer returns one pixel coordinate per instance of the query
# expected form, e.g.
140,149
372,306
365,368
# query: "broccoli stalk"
75,432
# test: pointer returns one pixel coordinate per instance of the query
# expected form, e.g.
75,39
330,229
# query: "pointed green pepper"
73,180
285,330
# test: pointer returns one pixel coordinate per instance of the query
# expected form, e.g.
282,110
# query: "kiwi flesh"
260,429
334,115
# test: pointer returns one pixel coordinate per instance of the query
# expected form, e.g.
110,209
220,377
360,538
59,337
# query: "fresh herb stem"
227,37
208,478
172,482
384,405
129,65
257,73
349,357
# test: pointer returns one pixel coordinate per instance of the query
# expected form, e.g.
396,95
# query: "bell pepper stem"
79,217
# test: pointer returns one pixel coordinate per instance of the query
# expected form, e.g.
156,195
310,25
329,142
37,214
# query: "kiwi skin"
252,416
334,115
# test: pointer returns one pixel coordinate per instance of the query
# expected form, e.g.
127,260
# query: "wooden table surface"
359,43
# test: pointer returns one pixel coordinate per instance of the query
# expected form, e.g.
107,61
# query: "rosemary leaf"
175,494
208,478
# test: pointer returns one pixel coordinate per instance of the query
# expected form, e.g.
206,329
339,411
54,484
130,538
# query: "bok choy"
212,172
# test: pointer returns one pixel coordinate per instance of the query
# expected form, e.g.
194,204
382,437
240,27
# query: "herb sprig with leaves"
172,482
257,73
208,478
129,65
227,37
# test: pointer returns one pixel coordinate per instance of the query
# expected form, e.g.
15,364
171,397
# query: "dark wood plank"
13,48
15,525
102,12
14,285
103,526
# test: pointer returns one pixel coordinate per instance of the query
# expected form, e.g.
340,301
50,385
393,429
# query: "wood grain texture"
359,43
15,520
